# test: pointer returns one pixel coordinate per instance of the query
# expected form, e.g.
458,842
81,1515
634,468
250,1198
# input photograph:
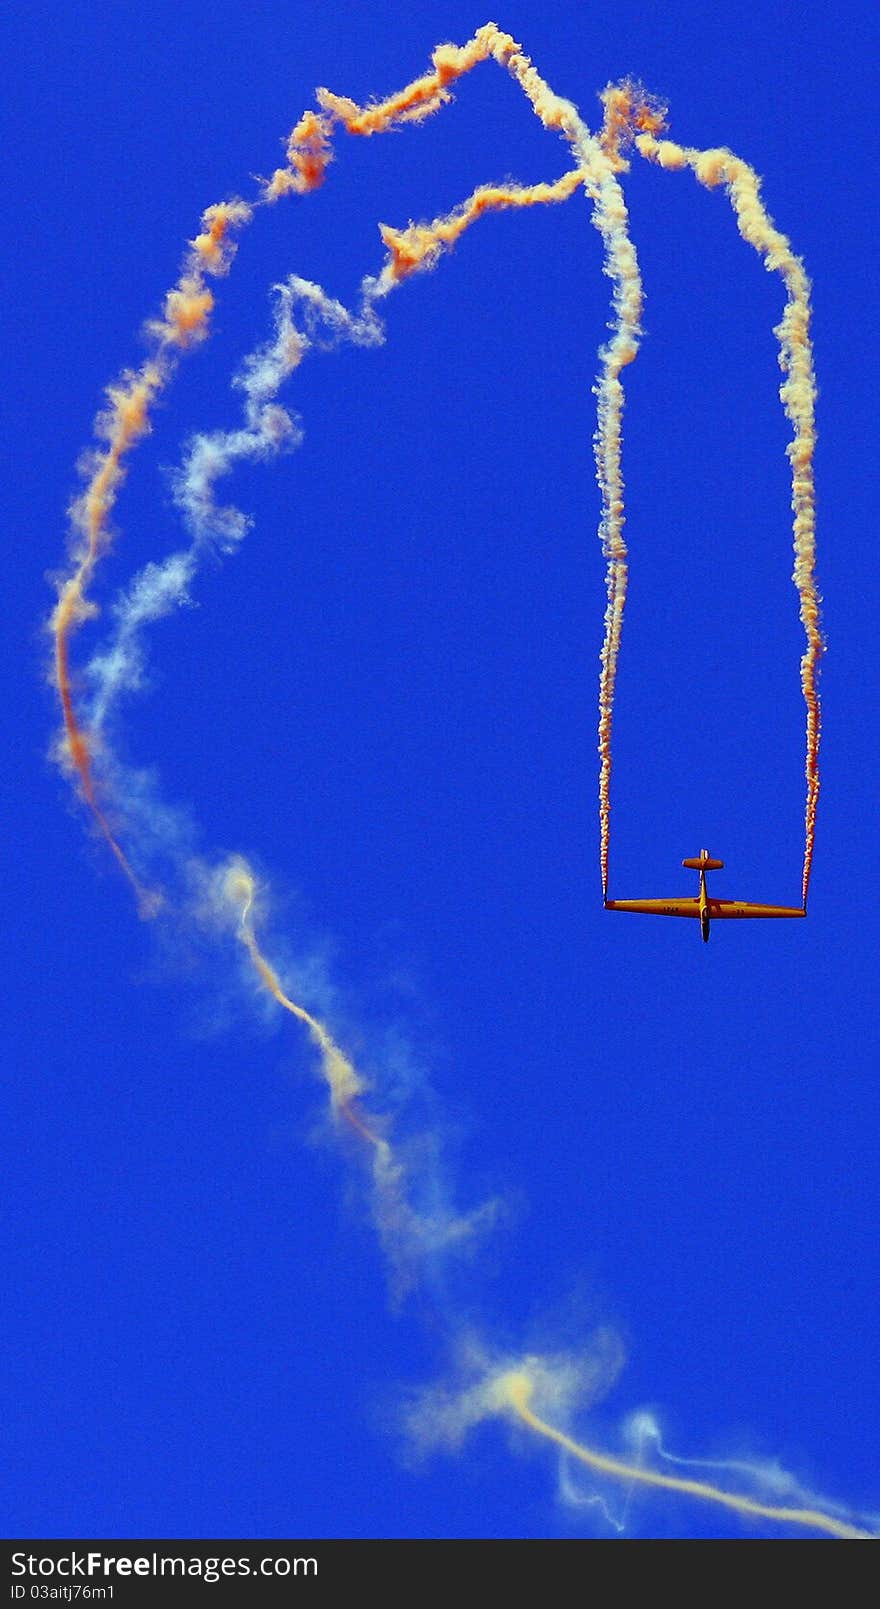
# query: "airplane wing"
657,907
721,908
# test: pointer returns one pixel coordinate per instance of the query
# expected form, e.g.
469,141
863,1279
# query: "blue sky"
387,700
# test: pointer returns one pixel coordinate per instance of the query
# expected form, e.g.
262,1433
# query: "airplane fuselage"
705,918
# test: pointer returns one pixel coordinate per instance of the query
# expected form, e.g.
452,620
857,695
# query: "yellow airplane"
708,910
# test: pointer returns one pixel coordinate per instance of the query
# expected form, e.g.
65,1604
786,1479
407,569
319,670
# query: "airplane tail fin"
704,864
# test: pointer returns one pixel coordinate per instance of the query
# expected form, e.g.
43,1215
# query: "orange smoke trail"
798,394
126,423
183,324
122,425
419,245
516,1389
309,146
188,305
630,117
308,154
598,162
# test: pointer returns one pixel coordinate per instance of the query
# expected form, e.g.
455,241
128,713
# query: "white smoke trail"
268,430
